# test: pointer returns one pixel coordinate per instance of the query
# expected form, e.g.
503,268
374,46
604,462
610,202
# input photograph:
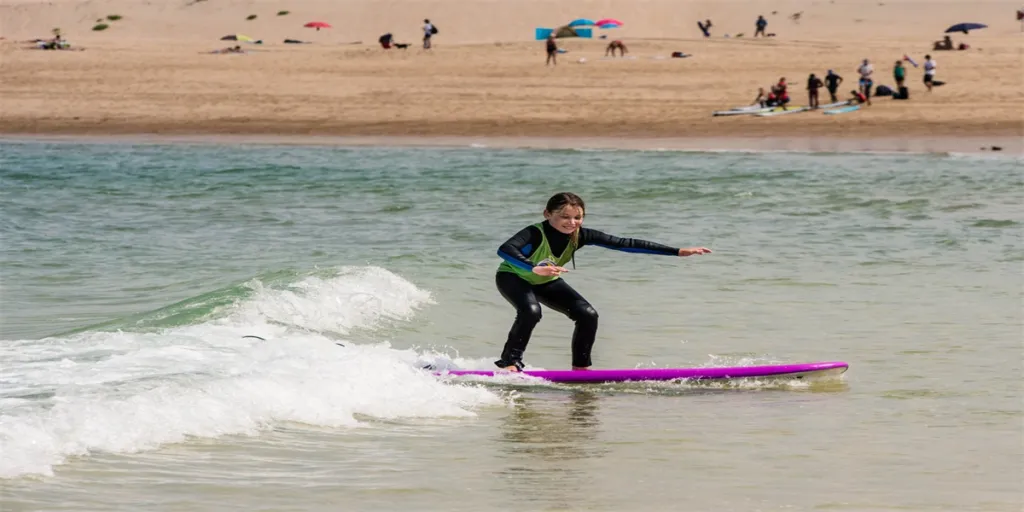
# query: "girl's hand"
549,270
690,251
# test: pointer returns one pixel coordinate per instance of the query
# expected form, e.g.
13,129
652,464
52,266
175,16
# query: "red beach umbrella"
317,25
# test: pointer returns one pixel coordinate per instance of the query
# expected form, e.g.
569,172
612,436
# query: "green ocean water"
130,274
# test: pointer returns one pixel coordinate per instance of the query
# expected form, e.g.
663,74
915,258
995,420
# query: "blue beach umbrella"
965,27
581,22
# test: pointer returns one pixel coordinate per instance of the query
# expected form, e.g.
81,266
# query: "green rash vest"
540,257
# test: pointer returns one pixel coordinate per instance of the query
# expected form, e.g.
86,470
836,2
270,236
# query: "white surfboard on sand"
836,104
742,111
843,110
782,112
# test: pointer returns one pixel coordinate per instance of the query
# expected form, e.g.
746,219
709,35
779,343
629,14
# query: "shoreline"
1011,146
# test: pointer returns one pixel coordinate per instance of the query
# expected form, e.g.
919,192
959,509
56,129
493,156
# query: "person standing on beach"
761,24
866,82
428,33
813,84
929,72
552,48
899,73
832,81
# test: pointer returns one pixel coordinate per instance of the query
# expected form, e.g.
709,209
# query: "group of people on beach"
778,93
551,49
946,44
387,40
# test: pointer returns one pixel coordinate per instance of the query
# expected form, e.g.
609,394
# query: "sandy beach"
151,73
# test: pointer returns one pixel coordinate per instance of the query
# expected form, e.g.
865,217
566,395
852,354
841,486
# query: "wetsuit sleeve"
516,250
595,237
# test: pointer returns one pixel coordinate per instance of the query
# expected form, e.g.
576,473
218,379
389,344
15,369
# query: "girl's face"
566,219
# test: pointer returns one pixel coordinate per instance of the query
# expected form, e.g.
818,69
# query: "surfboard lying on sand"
836,104
783,111
740,111
785,371
843,110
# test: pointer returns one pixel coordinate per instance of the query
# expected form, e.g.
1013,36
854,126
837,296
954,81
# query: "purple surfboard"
784,371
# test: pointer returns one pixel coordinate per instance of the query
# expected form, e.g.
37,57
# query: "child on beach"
530,275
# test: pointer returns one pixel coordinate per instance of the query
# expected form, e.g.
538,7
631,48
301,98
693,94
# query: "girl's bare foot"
512,368
579,368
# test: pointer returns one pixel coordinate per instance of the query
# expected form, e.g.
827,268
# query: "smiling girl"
535,259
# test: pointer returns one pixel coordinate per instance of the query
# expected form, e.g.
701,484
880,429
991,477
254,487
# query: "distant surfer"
534,260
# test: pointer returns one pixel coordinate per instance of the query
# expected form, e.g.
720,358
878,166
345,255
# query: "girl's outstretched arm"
594,237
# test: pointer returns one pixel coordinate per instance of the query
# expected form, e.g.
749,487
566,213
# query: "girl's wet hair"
563,199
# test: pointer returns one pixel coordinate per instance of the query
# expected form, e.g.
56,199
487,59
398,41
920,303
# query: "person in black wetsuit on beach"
534,260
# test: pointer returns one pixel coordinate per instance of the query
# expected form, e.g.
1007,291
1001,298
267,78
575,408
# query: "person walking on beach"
760,24
866,82
899,73
832,82
552,48
813,84
428,32
929,72
529,275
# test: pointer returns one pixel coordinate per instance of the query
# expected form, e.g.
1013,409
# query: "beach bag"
433,29
903,94
883,90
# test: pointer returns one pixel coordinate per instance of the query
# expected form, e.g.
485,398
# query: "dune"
151,71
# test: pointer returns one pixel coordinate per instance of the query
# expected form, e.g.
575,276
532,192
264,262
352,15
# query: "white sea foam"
123,392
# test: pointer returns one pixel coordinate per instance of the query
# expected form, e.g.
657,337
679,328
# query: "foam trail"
122,392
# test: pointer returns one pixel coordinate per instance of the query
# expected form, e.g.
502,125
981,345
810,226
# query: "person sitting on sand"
945,44
780,93
230,49
612,46
761,99
858,97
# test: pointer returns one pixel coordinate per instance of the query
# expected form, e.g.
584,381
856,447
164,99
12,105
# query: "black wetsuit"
557,294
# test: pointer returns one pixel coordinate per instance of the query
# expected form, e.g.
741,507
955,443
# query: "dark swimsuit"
557,294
